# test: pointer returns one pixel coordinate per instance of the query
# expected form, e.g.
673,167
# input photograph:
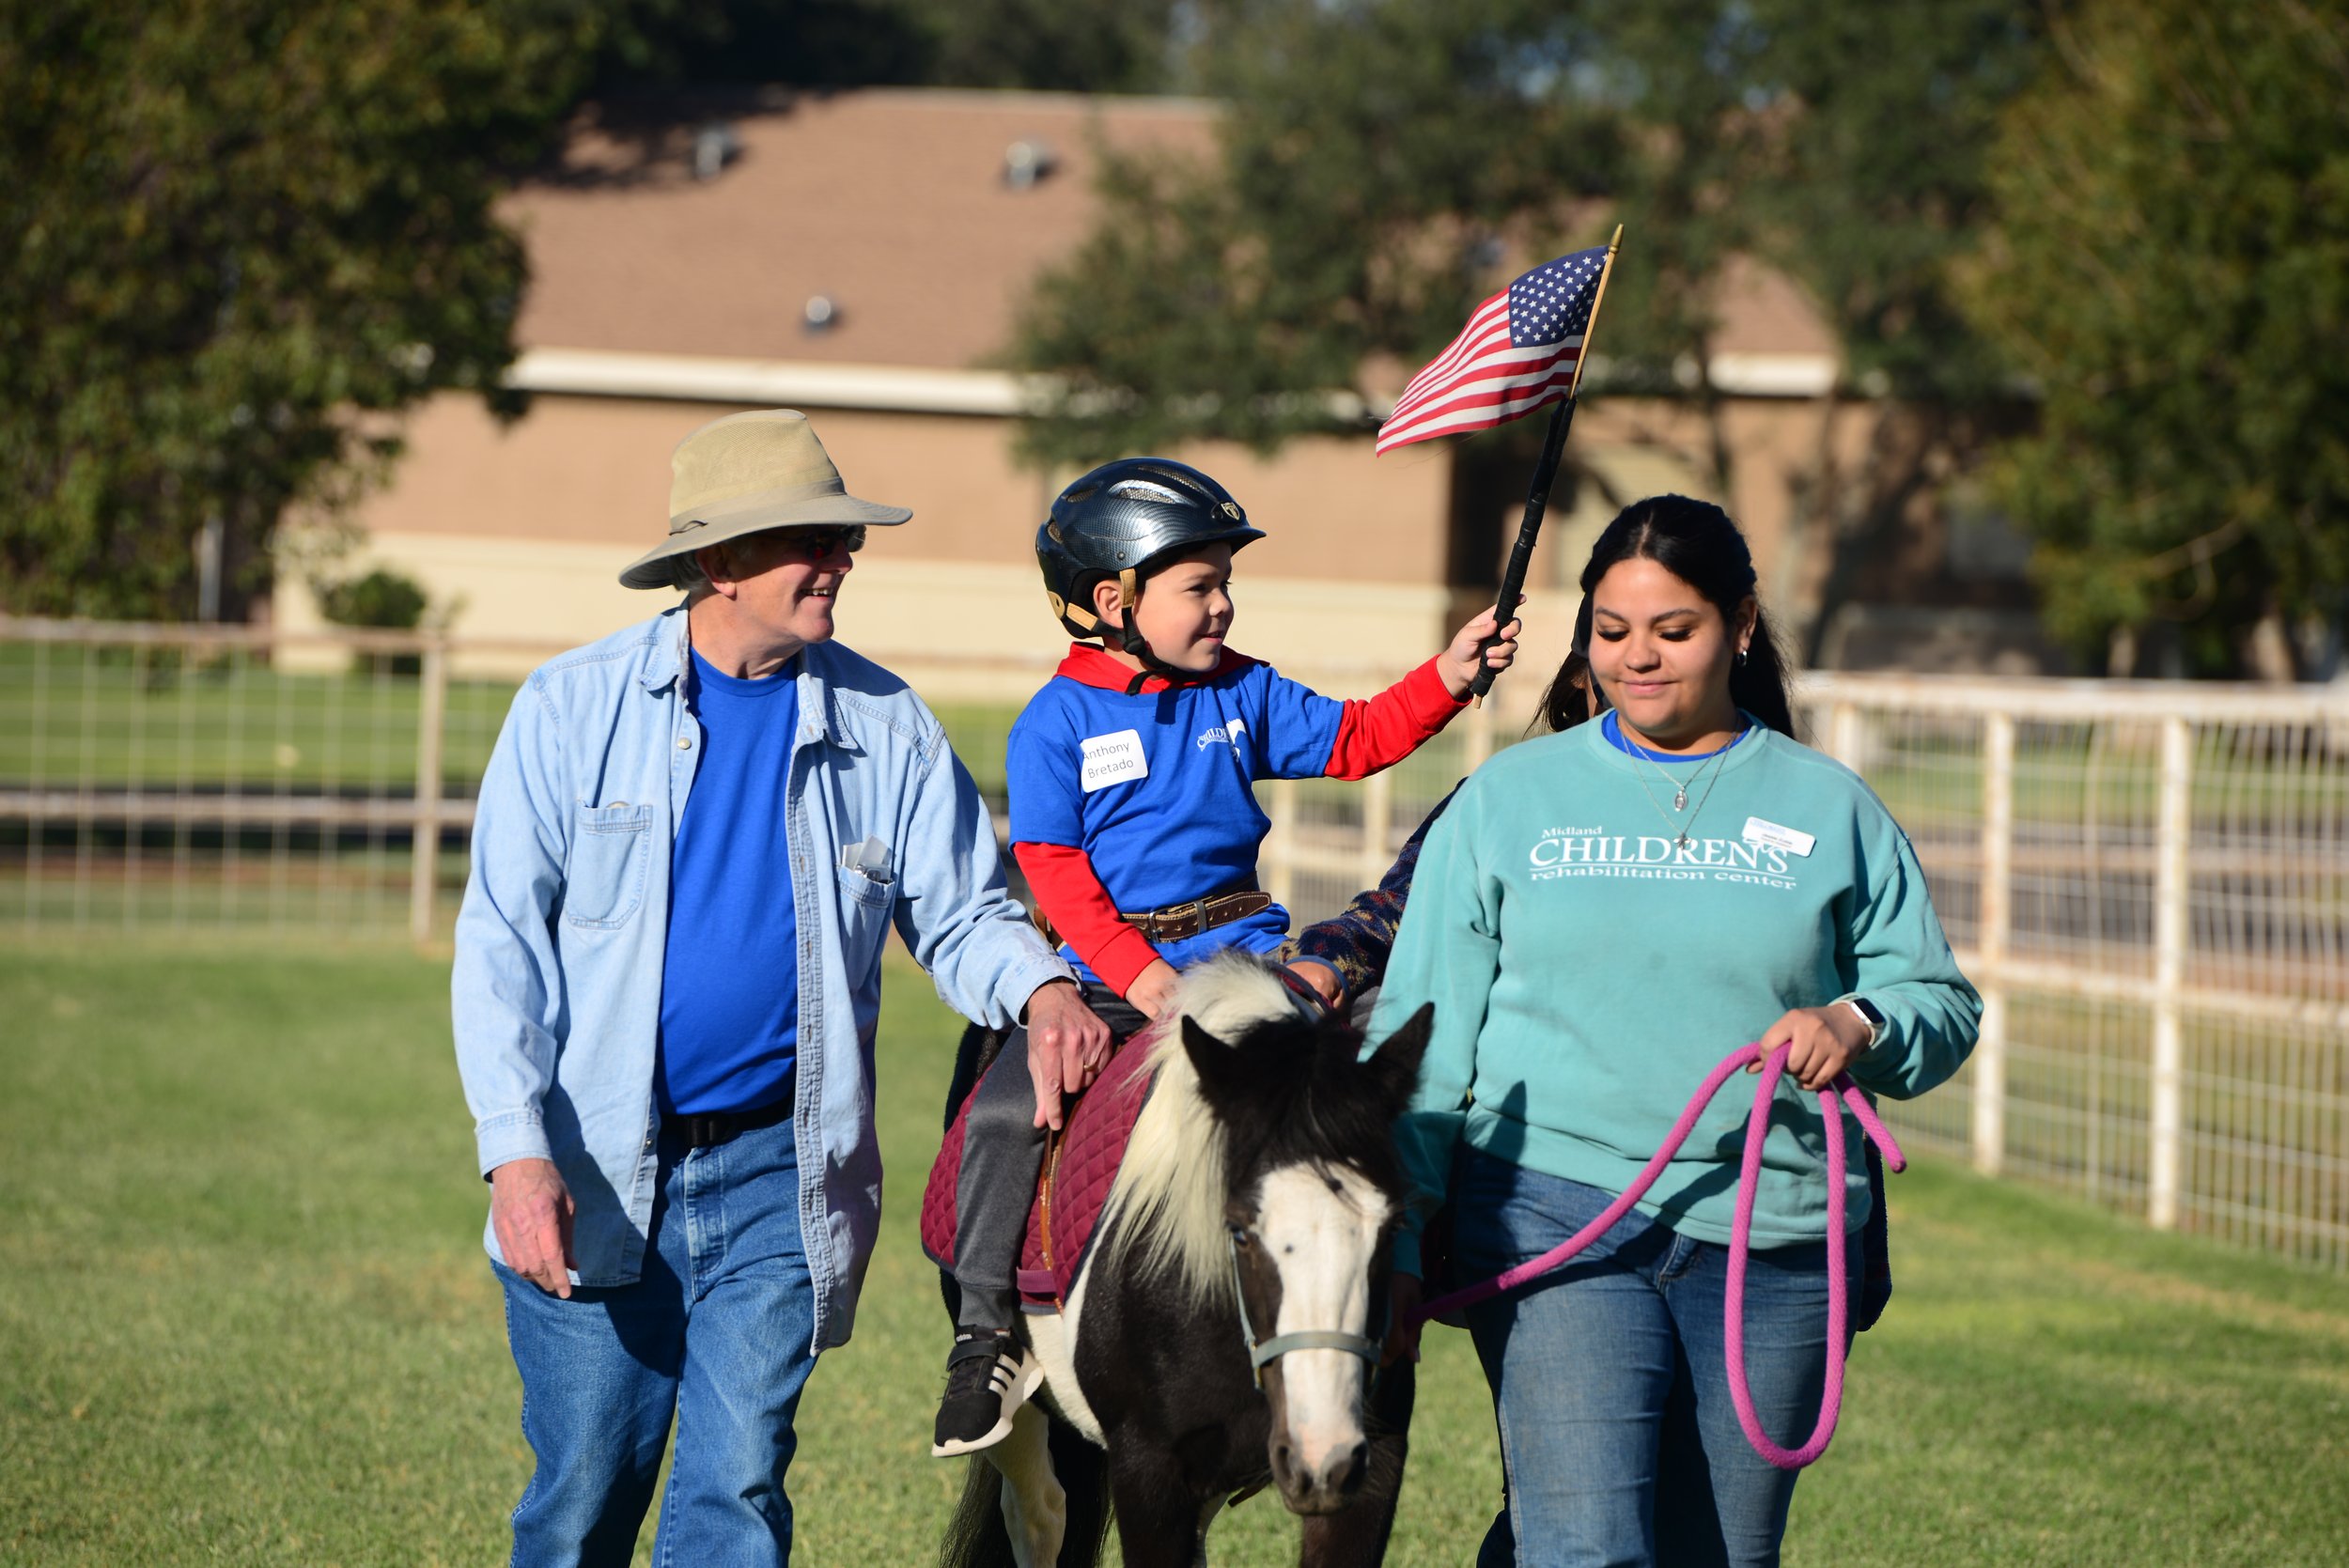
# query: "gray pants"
1002,1152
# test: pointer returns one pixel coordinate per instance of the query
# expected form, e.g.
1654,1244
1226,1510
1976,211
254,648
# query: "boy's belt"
1178,921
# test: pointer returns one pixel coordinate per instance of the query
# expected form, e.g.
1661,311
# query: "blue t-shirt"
1610,725
1155,788
730,981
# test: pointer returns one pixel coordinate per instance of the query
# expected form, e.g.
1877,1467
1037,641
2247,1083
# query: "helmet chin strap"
1130,638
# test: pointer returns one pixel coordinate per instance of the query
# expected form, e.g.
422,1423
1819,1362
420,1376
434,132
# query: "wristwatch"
1869,1015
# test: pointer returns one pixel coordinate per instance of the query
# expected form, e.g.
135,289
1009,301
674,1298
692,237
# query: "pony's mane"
1166,1205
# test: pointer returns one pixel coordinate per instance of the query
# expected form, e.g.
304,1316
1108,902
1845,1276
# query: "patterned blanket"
1080,1165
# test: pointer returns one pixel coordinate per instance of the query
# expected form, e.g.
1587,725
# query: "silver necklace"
1680,791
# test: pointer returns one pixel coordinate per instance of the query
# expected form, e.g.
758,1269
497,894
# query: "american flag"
1517,352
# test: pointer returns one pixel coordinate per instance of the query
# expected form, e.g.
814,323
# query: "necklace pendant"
1680,799
1682,841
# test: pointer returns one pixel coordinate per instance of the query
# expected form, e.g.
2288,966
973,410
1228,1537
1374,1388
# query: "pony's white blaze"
1319,1227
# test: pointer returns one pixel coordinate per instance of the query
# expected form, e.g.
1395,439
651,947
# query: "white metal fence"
209,778
2150,882
183,778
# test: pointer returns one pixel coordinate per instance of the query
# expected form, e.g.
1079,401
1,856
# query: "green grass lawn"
244,1318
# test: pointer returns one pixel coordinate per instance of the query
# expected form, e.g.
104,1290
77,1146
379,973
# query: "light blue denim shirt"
559,943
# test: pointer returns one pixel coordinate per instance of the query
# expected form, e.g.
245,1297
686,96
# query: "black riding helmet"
1116,523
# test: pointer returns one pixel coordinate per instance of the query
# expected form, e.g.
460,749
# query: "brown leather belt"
1178,921
714,1128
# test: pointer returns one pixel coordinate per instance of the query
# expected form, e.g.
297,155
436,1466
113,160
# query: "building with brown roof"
860,256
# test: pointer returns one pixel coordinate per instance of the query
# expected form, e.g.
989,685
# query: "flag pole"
1538,497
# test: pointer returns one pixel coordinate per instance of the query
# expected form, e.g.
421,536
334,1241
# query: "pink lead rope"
1749,1183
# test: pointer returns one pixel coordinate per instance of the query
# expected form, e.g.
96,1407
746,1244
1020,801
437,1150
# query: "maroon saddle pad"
1080,1164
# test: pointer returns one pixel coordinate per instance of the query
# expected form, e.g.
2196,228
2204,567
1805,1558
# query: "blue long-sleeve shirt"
557,983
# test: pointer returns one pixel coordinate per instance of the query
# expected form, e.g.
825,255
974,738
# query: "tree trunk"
2267,647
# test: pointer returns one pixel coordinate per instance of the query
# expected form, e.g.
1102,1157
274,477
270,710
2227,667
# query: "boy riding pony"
1134,817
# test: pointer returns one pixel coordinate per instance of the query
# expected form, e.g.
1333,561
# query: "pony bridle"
1263,1353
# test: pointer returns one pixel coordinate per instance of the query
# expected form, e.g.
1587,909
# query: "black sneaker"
988,1377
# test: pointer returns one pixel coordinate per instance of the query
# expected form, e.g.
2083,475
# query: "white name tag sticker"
1113,759
1792,840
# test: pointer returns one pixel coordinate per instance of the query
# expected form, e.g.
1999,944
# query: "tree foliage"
381,597
2172,269
1354,205
1386,163
245,234
239,230
1079,45
1384,158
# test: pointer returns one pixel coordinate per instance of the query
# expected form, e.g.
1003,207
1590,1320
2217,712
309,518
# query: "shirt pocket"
864,904
603,885
866,888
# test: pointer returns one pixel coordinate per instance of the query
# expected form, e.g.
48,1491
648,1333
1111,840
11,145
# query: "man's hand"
531,1210
1402,1325
1153,988
1067,1043
1321,979
1459,663
1826,1041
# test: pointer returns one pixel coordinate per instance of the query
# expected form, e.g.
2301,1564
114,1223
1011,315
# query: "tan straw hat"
745,474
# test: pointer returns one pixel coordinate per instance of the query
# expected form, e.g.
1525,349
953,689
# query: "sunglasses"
815,544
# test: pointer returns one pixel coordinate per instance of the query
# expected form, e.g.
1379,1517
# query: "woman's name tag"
1792,840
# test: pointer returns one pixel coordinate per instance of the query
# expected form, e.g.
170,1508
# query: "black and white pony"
1222,1334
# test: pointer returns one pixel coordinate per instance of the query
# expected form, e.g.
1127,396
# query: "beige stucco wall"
598,469
1775,448
974,628
518,532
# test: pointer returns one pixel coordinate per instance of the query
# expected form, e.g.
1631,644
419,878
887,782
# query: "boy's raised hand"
1458,664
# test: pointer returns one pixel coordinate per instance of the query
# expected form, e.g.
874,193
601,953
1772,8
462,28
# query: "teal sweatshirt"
1588,972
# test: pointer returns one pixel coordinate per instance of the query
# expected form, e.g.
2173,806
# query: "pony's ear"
1218,1065
1395,1066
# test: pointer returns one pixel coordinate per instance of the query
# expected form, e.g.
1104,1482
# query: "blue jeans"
1611,1383
718,1330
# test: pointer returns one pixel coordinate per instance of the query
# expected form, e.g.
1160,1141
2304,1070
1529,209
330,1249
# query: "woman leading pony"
1597,916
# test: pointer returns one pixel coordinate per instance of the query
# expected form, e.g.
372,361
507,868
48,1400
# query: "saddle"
1080,1163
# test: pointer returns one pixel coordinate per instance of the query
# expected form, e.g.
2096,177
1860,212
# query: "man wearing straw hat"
690,842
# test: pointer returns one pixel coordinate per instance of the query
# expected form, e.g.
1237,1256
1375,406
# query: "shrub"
383,601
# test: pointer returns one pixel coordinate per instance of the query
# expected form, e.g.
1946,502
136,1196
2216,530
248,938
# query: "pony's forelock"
1167,1201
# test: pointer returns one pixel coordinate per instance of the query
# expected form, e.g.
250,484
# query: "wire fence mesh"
2150,883
2151,886
185,779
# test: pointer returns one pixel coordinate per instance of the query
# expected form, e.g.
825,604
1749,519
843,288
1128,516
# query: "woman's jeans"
1609,1377
717,1330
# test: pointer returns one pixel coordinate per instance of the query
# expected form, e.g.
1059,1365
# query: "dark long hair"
1695,541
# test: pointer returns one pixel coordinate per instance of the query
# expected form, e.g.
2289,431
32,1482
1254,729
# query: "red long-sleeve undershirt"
1070,894
1392,725
1372,734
